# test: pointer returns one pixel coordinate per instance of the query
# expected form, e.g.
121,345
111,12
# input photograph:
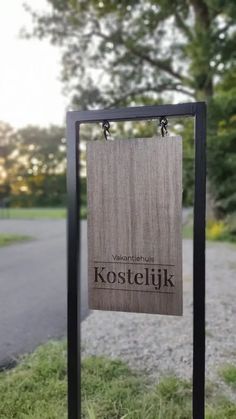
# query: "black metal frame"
74,119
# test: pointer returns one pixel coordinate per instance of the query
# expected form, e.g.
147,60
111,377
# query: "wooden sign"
135,224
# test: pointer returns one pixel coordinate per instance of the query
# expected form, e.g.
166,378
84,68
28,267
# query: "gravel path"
163,344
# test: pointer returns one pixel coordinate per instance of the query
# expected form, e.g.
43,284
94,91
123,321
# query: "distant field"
6,239
32,213
39,213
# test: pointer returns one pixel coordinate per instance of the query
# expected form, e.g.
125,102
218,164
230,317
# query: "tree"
222,147
44,151
140,51
33,165
9,162
133,51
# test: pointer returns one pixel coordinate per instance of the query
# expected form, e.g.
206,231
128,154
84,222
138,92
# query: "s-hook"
106,127
163,122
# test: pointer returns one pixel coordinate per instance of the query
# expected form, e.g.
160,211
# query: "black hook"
163,122
106,127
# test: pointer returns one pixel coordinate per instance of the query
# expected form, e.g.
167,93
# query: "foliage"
232,225
222,147
37,388
215,230
32,166
133,51
9,140
144,52
186,130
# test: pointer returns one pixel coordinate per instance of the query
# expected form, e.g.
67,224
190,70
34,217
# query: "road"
33,286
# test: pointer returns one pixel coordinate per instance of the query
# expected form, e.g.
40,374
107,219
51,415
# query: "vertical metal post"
199,264
73,273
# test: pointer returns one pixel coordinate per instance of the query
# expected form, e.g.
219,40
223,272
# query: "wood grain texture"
135,225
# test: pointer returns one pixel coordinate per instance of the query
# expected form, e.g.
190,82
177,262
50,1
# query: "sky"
30,88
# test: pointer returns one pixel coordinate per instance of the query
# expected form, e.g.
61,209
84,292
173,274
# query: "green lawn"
36,389
228,373
41,213
6,239
187,232
34,213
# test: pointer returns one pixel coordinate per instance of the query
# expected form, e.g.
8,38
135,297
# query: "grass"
42,213
187,231
6,239
228,373
36,389
37,213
